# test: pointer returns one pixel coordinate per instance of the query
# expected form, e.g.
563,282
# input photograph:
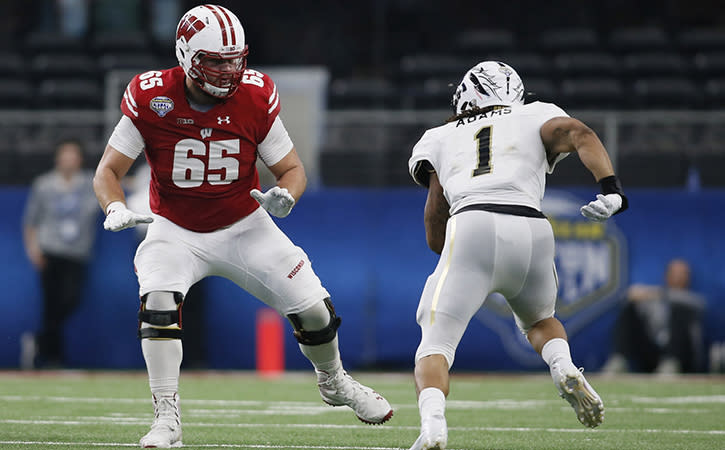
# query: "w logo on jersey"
189,27
205,133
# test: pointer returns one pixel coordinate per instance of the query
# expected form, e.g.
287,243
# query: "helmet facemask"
217,82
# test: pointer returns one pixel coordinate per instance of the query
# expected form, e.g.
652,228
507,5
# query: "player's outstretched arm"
567,134
291,184
107,185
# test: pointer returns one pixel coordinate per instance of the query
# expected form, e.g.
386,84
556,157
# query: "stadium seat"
569,39
592,93
712,139
432,93
710,64
660,64
64,65
527,64
669,92
141,61
12,64
479,42
53,42
70,94
16,93
639,39
426,65
116,42
715,93
587,64
362,93
701,39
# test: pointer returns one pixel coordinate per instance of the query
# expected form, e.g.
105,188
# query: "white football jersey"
496,157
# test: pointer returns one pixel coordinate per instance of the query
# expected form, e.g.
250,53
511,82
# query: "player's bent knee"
160,315
309,325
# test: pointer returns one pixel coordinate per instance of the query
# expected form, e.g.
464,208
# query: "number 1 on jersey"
483,149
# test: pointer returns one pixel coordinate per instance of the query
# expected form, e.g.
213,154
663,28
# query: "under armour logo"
205,133
220,120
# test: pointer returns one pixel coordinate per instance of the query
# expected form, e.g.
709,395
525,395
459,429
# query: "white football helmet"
488,83
210,48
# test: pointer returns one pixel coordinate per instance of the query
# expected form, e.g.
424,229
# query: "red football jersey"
202,163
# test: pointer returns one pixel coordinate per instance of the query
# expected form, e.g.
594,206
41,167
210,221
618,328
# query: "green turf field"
89,410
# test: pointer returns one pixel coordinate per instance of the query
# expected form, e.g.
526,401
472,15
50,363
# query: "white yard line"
122,444
365,427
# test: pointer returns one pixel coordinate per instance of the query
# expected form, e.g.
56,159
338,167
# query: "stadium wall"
368,247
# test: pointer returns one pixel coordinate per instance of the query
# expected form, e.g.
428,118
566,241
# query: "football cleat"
433,434
341,389
166,428
575,389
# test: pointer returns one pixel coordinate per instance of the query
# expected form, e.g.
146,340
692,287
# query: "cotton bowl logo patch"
161,105
591,264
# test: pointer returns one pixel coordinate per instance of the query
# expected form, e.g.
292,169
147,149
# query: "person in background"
659,329
485,171
201,126
59,229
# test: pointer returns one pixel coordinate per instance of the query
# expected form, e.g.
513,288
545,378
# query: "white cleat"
433,434
575,389
341,389
166,428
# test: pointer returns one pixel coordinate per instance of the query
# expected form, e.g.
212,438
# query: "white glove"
603,207
119,217
277,200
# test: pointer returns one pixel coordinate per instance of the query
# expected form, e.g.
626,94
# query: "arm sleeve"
276,145
126,138
422,160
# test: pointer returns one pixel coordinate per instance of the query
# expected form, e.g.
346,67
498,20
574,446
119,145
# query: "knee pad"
314,318
165,322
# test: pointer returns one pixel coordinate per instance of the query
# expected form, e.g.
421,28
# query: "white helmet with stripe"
488,83
210,48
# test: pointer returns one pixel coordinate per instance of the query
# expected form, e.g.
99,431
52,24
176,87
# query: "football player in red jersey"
201,127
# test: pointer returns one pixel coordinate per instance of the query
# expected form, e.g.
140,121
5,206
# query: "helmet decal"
188,27
486,84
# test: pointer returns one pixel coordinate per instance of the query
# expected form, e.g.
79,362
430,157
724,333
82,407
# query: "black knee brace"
160,318
316,337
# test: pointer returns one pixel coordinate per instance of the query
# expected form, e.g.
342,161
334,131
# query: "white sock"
557,351
324,357
163,362
431,402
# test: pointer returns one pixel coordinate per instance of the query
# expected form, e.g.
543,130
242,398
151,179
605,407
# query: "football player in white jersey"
485,171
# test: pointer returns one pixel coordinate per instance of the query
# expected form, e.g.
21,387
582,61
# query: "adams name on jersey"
202,163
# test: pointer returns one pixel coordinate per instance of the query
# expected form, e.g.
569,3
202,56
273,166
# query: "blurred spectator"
59,228
73,15
660,327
